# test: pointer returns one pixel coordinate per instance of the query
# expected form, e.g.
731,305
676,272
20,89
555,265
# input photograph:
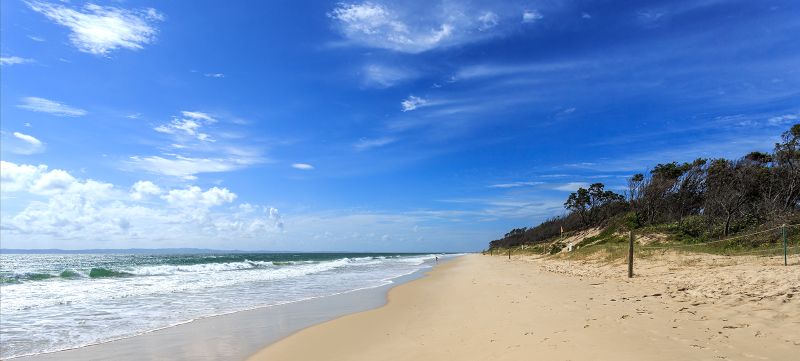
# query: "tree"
592,204
787,161
579,203
757,188
731,185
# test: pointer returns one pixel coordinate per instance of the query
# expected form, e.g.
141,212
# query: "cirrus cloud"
412,27
20,143
43,105
302,166
13,60
412,102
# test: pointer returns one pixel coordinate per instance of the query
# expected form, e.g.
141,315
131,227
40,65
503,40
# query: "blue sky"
370,126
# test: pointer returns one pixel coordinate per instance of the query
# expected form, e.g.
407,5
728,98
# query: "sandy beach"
490,308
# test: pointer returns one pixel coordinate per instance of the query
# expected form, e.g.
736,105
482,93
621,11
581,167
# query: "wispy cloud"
567,111
515,184
20,143
414,27
43,105
365,143
302,166
530,16
488,20
193,150
385,76
14,60
783,119
189,167
491,209
35,38
412,102
214,75
198,116
571,186
496,70
99,29
189,125
28,139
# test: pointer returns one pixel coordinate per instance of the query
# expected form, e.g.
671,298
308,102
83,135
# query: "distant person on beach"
437,258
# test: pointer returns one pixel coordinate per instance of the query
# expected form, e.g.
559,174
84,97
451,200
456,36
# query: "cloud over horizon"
61,206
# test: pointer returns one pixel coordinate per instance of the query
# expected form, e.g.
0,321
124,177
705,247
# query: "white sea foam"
136,295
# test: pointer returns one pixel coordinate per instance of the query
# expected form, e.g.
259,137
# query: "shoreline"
180,341
490,308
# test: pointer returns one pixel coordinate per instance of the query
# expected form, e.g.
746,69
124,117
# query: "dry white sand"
489,308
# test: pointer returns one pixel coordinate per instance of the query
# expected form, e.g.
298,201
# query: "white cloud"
22,143
571,186
188,167
515,184
192,150
496,70
36,38
650,17
193,196
302,166
412,102
12,60
39,180
28,139
198,116
364,143
783,119
529,16
488,20
60,208
54,181
384,76
93,214
143,189
189,125
14,177
412,27
567,111
214,75
99,29
586,16
43,105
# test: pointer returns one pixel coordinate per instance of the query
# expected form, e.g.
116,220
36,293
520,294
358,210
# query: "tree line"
702,198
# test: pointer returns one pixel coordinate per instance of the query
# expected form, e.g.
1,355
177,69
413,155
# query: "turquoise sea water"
51,302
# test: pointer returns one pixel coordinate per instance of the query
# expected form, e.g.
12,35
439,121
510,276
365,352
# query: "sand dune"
489,308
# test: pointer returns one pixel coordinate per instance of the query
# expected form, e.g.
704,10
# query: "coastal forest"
693,201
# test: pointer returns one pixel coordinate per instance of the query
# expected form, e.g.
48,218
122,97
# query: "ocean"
51,302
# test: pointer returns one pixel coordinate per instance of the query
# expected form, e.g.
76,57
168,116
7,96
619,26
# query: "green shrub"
693,226
631,220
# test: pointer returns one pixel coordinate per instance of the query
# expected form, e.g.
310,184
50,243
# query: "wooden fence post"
785,259
630,256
